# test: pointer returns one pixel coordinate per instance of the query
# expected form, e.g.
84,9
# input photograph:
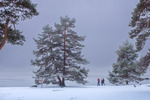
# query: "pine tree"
126,68
46,56
140,24
65,54
72,58
11,11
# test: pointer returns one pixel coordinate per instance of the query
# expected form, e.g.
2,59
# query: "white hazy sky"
103,22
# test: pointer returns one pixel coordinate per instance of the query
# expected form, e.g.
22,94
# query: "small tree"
10,12
59,54
140,24
126,68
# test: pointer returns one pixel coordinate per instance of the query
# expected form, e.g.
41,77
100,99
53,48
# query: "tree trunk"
60,83
63,82
64,47
5,33
64,69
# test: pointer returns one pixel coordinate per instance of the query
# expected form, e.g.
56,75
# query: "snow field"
76,93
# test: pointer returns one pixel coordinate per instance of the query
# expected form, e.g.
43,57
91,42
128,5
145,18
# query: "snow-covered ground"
77,93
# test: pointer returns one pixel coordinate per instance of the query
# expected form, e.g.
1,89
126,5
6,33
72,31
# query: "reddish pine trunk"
5,33
64,47
62,82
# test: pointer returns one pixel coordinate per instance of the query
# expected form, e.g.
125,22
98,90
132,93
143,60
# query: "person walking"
102,82
98,82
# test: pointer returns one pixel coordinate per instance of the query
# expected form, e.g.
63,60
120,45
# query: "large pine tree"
47,56
11,12
140,24
126,68
64,56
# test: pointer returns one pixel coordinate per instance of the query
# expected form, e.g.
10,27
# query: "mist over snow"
103,22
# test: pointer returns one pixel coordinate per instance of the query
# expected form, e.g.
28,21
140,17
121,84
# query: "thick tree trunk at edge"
5,32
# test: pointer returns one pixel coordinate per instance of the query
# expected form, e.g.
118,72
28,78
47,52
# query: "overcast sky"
103,22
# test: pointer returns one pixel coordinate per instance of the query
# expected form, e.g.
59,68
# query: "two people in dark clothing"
102,82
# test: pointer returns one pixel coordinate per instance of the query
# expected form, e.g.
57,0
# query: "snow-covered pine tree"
126,68
140,24
47,56
11,11
59,55
71,56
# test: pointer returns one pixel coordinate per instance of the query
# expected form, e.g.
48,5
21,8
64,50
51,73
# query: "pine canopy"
11,12
140,24
58,54
126,69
